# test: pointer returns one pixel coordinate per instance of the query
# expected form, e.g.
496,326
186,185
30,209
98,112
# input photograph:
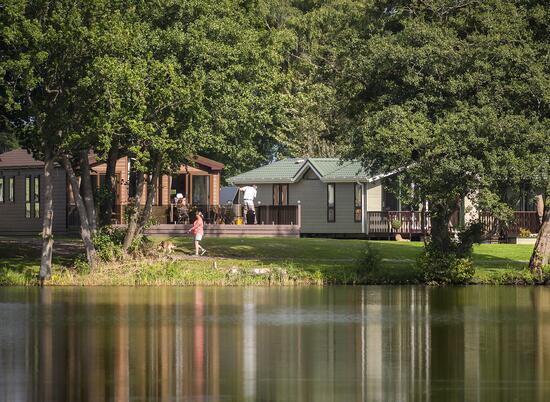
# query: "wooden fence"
406,222
228,214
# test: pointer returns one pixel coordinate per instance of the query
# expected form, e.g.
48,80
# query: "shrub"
142,246
369,260
445,268
395,224
108,243
80,265
523,232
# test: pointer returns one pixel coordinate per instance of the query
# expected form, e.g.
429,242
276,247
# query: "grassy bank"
255,261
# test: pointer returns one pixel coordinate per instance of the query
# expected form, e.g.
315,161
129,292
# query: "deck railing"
277,214
380,222
233,213
526,220
529,220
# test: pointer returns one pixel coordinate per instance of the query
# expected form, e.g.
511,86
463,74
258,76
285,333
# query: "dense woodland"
454,93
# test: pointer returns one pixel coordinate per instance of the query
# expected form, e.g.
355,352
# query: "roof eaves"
345,179
257,180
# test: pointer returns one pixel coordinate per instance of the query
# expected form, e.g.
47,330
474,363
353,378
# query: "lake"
275,344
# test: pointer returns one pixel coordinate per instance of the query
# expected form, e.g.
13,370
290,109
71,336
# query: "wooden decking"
379,224
217,230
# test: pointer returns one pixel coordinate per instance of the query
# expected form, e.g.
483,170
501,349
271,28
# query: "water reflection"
261,344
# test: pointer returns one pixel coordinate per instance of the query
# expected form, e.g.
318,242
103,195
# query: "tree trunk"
47,222
109,189
540,207
87,192
151,193
440,237
541,252
85,231
423,217
132,228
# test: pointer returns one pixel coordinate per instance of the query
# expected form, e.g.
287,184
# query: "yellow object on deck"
239,220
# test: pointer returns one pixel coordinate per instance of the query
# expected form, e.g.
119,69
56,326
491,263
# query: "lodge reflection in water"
261,344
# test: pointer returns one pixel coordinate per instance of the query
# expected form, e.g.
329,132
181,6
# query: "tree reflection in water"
265,344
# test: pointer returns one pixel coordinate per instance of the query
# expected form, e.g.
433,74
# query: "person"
183,210
198,231
177,198
249,194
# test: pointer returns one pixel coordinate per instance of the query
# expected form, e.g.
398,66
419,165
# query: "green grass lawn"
298,260
398,262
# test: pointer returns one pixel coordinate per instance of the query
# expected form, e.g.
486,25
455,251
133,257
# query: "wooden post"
299,215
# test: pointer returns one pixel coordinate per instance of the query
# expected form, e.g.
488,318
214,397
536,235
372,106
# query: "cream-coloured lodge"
341,199
335,197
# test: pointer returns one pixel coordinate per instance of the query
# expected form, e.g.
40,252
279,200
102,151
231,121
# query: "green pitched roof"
335,169
282,171
291,170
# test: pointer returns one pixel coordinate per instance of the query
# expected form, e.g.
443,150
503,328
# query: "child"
198,232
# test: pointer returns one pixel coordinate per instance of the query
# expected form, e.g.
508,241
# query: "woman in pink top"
198,232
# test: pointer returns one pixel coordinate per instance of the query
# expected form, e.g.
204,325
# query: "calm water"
261,344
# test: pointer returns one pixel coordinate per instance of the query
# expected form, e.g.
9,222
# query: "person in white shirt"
249,194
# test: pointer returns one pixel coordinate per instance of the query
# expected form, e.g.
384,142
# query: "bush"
445,268
108,243
369,260
142,246
396,224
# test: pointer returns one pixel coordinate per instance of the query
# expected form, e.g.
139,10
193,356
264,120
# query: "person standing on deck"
249,194
198,231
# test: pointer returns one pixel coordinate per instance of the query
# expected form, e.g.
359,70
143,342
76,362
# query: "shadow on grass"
20,261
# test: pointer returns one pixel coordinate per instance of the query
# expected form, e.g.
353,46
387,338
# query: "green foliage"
396,224
445,268
142,246
7,141
108,243
369,259
80,265
455,94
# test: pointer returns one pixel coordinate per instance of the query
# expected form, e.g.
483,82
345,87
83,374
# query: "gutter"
363,209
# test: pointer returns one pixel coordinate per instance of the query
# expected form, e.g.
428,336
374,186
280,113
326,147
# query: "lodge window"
200,190
11,189
331,204
159,190
358,202
1,190
27,197
32,197
390,202
36,197
280,194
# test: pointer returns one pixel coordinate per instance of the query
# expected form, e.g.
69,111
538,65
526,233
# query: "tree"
7,141
211,83
39,63
49,49
444,88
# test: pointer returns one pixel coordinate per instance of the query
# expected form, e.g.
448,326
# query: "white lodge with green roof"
335,197
327,196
